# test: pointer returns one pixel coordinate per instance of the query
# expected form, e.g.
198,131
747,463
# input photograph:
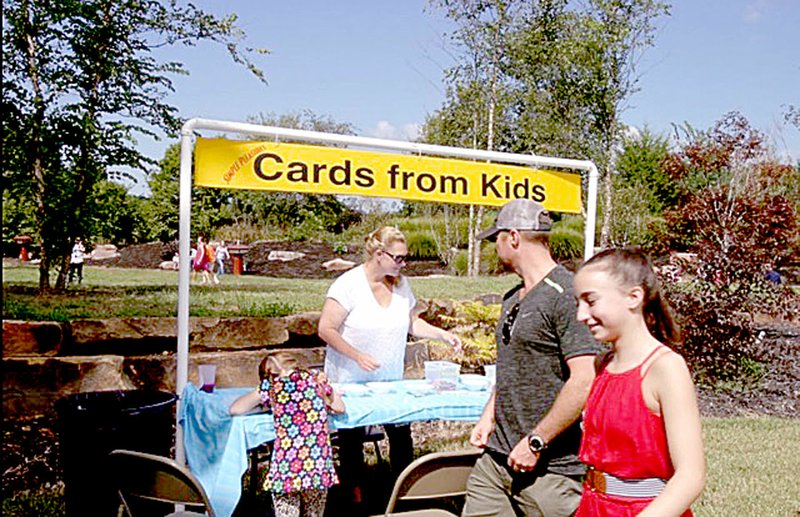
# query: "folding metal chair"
146,481
433,476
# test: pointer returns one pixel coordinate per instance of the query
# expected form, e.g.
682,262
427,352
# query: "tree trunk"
608,203
38,199
61,279
605,230
471,243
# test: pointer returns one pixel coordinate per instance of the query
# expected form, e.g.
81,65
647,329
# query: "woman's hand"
451,339
367,362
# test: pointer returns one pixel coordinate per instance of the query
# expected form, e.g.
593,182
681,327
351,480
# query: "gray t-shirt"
532,367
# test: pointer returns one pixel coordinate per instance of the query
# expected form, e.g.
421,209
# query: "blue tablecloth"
216,444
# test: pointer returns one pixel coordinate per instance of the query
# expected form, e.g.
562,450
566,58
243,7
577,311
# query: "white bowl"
473,382
351,389
418,387
381,387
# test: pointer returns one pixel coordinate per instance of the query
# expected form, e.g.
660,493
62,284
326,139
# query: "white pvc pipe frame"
187,145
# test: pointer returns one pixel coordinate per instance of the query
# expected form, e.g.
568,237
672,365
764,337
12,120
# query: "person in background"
367,316
76,261
301,467
642,439
771,274
211,262
200,261
222,257
530,427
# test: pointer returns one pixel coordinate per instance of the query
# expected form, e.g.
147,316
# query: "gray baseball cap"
521,215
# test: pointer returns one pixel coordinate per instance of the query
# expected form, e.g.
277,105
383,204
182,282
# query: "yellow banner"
285,167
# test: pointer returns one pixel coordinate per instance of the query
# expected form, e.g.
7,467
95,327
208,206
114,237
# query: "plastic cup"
208,377
442,374
490,372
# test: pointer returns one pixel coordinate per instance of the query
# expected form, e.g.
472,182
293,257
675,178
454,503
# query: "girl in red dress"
642,438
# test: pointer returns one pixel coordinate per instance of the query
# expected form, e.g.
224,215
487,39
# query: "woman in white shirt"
366,319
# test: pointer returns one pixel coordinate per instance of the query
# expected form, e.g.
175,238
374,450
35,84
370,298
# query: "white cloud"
754,10
411,131
385,129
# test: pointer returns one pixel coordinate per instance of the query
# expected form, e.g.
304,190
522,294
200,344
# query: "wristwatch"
536,443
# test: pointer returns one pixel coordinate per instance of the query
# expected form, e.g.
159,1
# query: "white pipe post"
591,214
184,245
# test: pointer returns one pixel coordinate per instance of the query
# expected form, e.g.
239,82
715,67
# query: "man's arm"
485,426
565,410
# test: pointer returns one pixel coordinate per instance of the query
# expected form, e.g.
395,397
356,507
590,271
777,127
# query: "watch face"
535,443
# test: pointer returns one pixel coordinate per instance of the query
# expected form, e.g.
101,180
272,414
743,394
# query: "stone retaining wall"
44,361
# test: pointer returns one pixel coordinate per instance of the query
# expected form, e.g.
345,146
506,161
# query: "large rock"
303,323
22,338
104,252
285,256
240,333
169,265
31,385
338,264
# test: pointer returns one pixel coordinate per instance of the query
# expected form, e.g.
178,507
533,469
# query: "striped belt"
612,485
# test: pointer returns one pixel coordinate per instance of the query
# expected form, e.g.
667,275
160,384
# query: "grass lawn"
751,467
113,292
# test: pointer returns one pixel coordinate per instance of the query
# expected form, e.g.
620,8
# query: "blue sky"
378,64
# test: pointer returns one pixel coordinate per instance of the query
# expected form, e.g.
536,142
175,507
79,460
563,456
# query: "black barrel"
91,425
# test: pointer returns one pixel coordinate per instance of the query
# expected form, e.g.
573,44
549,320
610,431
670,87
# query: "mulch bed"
257,262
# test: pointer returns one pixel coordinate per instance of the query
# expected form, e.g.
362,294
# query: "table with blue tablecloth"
216,443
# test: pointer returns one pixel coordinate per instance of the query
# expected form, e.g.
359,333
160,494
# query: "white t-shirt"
77,253
381,332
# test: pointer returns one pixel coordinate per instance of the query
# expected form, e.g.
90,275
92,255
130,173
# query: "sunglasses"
398,259
508,324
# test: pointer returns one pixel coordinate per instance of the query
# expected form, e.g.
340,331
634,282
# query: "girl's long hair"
277,365
631,267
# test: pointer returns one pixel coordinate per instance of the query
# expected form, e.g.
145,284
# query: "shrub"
458,265
717,318
566,239
421,246
490,263
475,324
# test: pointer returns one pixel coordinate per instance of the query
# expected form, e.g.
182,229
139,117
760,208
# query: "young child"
301,469
642,439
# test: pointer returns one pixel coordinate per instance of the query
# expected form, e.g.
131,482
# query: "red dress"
622,437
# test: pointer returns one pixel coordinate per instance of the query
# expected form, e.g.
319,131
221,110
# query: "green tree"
640,164
642,189
297,213
576,65
562,77
114,215
80,81
211,208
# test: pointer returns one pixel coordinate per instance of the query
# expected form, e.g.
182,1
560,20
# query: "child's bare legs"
312,503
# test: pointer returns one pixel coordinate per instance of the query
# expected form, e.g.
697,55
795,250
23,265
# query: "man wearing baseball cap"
530,427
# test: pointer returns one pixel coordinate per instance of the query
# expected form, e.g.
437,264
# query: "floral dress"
302,457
